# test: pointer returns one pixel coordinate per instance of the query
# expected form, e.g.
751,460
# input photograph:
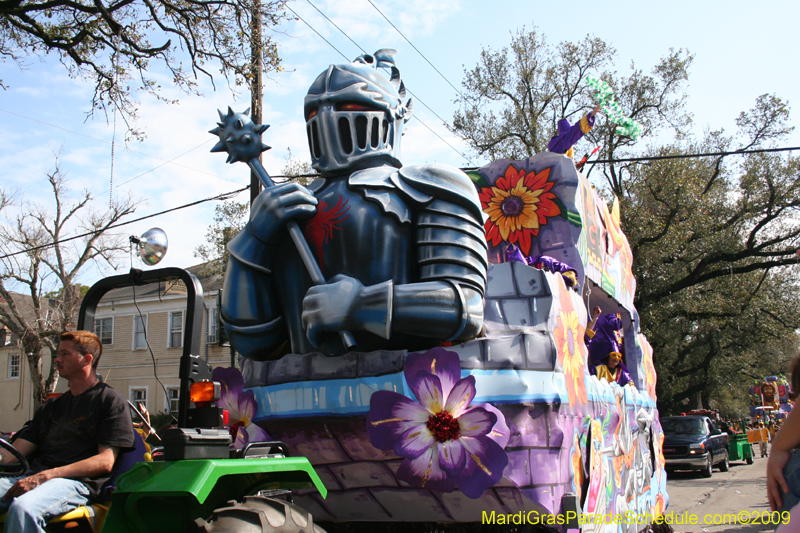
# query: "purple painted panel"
545,465
519,468
355,505
414,505
464,509
514,501
363,474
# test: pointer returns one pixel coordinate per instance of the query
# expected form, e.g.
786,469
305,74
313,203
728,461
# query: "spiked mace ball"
239,136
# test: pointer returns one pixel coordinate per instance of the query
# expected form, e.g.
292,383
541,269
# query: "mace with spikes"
241,139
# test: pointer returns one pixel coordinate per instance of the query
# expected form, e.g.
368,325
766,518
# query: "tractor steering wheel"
19,468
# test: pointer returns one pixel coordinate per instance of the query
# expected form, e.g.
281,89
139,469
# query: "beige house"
15,386
15,382
141,330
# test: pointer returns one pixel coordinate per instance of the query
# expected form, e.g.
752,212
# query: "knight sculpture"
402,248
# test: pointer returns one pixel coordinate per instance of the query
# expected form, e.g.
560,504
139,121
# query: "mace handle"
302,247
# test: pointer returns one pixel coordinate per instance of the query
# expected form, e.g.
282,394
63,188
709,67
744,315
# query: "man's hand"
26,484
776,483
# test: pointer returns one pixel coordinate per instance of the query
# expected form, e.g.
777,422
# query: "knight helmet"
353,112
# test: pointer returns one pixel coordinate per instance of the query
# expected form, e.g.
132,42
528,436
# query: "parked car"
694,443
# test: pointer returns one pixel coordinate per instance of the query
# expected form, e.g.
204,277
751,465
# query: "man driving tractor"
76,438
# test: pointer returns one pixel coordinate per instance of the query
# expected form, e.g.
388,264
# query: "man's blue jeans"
791,472
30,512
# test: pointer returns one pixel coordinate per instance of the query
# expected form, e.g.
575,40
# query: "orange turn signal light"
204,391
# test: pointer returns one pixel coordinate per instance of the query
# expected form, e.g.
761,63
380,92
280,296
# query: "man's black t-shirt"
69,429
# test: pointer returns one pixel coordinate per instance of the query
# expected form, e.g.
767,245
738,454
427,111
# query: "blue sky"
742,50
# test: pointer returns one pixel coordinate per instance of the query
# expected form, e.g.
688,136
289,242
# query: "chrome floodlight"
151,247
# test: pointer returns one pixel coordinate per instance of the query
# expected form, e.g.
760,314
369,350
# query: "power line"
172,161
441,138
318,33
466,158
689,156
335,26
230,194
679,156
415,48
223,196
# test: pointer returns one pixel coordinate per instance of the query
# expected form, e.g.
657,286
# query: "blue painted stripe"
336,397
348,397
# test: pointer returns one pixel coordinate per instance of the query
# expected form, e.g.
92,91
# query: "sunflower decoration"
518,205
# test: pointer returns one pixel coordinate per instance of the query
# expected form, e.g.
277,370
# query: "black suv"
694,443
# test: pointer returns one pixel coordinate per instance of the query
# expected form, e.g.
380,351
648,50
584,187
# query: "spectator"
783,467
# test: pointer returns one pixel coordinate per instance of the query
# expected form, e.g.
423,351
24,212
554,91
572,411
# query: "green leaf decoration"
478,179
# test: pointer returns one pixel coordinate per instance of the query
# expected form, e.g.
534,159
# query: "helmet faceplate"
339,138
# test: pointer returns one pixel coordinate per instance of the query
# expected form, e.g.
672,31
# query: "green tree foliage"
116,43
714,242
713,239
514,97
229,219
37,255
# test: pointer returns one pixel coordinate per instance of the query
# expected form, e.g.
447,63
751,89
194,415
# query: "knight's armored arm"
251,312
443,299
447,302
252,317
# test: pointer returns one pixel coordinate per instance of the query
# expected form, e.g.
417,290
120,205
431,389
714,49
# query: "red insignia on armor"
319,230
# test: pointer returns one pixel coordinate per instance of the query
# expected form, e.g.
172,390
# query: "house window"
212,326
139,332
138,396
176,329
104,328
13,366
172,399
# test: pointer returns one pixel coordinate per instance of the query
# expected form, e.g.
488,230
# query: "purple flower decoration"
241,406
445,441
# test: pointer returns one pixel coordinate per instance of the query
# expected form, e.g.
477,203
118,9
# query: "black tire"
257,514
725,465
749,459
709,468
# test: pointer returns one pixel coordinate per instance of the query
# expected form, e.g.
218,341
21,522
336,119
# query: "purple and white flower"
446,442
241,406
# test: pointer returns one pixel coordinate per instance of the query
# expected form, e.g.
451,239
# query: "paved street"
743,488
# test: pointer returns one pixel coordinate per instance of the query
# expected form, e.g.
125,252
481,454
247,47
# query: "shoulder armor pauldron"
419,186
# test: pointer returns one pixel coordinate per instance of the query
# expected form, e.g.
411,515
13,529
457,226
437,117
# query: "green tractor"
201,485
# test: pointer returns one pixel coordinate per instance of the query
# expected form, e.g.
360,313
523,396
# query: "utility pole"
256,69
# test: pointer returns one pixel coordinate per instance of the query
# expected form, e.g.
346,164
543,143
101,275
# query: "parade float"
386,336
770,398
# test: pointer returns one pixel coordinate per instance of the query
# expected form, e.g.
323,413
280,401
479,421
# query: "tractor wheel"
257,514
